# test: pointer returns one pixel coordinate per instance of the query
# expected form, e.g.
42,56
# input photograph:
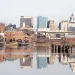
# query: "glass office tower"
41,22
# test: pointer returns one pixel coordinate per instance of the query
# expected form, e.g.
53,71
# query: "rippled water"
35,61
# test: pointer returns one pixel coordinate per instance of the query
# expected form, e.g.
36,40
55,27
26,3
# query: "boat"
24,43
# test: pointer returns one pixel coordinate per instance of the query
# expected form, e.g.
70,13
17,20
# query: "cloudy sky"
11,10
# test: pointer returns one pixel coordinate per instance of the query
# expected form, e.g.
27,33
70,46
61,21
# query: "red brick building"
14,35
2,28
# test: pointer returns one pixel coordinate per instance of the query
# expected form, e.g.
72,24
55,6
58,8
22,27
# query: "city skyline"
11,10
42,22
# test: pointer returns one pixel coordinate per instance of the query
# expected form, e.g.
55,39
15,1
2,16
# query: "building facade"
26,21
71,24
2,27
41,22
10,26
66,25
51,25
14,35
63,25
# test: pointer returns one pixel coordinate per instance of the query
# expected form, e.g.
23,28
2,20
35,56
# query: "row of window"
11,39
14,35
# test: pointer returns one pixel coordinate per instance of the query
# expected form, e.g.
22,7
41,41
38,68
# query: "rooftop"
11,30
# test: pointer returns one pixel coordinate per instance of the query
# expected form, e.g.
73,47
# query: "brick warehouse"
14,35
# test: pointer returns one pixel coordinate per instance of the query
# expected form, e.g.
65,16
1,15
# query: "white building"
44,29
66,25
72,18
63,25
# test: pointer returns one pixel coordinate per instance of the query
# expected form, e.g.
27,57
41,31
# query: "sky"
11,10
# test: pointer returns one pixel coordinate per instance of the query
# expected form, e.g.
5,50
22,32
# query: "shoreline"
32,44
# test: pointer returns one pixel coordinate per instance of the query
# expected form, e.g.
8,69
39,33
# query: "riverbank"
11,44
32,44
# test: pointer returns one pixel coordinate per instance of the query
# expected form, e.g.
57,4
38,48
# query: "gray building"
10,26
26,22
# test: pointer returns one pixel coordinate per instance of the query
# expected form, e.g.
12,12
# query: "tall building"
26,22
66,25
41,22
71,24
72,18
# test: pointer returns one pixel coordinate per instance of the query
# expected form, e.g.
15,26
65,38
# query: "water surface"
35,61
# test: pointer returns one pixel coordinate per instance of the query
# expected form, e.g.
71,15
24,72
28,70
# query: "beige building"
52,25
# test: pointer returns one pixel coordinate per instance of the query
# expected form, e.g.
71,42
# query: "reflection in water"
42,57
26,62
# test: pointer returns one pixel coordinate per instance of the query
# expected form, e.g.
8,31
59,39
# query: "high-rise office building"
41,22
26,22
